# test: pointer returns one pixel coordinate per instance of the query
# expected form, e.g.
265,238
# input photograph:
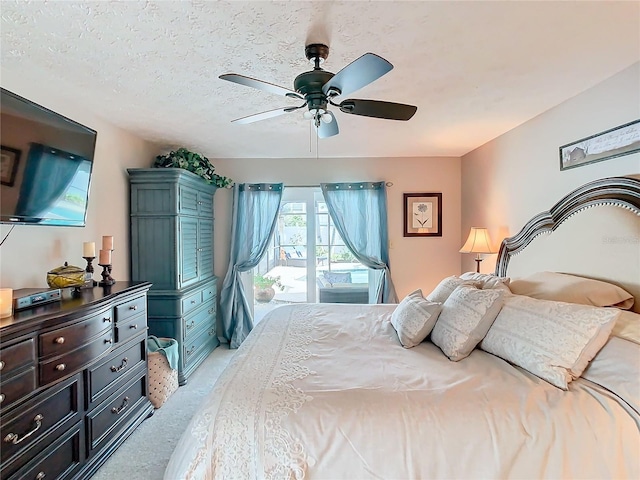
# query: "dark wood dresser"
73,382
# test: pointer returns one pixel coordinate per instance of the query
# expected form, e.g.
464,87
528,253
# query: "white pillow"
414,318
486,280
445,287
465,319
553,340
628,326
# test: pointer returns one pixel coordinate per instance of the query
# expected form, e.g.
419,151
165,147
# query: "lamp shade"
478,242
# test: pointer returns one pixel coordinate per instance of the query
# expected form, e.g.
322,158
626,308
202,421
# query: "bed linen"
328,392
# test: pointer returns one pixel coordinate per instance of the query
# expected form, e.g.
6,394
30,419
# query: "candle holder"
89,282
106,275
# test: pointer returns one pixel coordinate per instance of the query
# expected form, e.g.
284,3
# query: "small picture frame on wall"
616,142
422,214
9,159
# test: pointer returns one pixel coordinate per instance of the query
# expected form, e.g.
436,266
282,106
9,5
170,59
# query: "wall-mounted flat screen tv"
45,165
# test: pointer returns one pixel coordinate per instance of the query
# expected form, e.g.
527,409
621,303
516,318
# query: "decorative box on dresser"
172,247
73,381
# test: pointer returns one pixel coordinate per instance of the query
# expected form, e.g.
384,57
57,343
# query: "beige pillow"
553,340
414,318
465,318
563,287
486,280
446,287
628,326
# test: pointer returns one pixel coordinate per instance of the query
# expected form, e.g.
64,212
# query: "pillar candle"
89,249
107,242
105,257
6,302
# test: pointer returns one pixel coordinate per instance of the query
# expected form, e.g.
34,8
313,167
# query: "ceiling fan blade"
330,129
357,74
378,109
264,115
260,85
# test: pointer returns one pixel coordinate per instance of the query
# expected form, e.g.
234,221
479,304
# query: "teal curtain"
254,219
359,212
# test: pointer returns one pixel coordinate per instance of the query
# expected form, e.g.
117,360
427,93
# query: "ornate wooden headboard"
602,243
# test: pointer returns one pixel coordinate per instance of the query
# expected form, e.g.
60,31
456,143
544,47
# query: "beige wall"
415,262
30,251
510,179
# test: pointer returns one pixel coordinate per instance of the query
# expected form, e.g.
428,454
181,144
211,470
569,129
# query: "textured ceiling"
474,69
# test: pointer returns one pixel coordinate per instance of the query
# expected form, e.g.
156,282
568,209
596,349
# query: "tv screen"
46,165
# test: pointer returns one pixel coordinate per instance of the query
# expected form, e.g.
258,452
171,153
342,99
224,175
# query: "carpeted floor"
145,454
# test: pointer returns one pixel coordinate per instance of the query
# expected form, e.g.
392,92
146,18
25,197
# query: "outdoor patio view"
307,260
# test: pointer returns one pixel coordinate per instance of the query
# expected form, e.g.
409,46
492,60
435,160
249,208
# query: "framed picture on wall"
616,142
9,165
422,214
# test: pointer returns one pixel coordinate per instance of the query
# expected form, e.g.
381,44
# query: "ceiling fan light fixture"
326,117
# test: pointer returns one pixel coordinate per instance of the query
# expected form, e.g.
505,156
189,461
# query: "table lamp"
478,243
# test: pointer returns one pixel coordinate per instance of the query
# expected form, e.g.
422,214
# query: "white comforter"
327,392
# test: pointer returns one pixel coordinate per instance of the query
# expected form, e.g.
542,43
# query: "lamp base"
478,260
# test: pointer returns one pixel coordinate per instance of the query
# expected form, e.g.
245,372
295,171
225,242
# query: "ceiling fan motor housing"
309,84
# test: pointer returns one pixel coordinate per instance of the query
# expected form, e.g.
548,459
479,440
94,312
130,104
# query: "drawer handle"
192,302
133,327
40,476
211,310
16,439
60,367
133,307
211,332
191,325
107,319
191,350
2,397
59,340
119,409
1,365
122,366
108,340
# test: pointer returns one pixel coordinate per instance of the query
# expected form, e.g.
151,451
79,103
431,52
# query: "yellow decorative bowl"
65,276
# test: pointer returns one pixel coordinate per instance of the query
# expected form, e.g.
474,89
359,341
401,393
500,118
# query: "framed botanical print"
422,214
9,159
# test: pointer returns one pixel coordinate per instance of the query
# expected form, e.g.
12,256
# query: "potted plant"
263,290
195,163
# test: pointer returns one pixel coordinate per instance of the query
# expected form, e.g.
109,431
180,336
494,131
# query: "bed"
329,391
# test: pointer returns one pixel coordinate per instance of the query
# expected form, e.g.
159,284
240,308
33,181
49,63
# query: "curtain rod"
388,184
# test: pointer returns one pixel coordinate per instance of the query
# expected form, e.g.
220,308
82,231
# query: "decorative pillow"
553,340
563,287
337,277
485,280
465,319
628,327
446,287
414,318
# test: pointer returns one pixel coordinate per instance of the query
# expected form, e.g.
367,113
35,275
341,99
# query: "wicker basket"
163,380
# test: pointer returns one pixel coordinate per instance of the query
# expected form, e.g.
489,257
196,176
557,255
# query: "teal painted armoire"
172,247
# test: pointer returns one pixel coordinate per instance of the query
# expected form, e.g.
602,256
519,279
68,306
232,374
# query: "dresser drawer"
195,321
131,308
191,347
48,411
62,366
17,355
125,330
64,340
192,301
16,387
209,292
59,461
105,421
103,376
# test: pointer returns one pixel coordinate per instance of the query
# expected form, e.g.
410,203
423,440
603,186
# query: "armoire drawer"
191,301
64,340
193,322
37,418
191,346
103,376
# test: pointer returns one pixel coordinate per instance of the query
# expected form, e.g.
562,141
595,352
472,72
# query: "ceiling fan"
318,88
